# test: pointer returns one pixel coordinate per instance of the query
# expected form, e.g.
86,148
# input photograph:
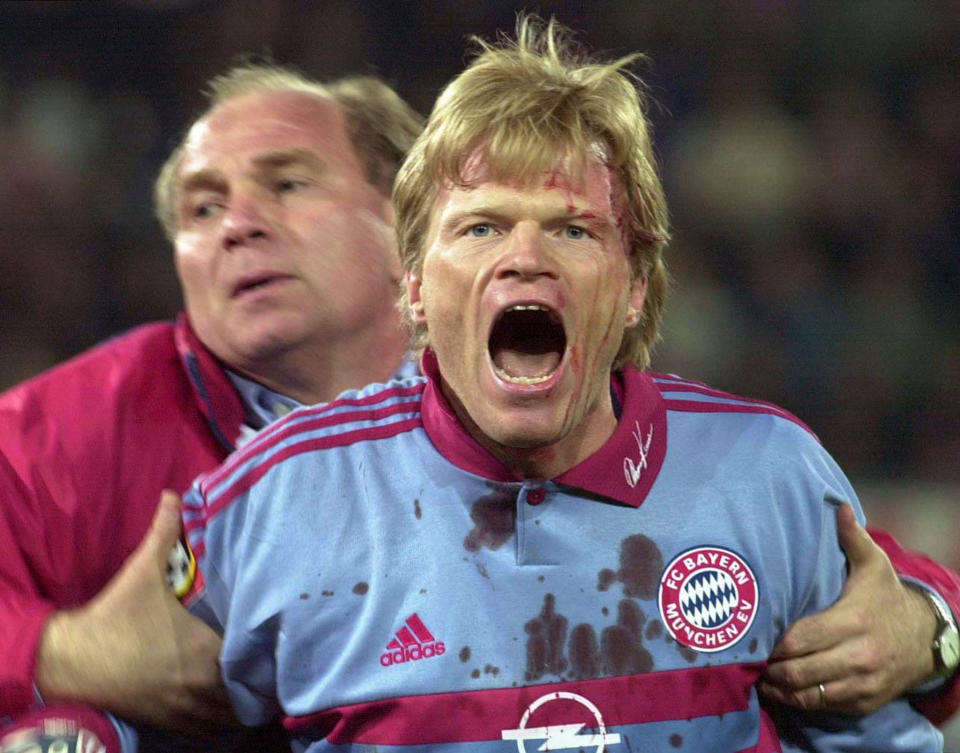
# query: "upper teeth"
528,307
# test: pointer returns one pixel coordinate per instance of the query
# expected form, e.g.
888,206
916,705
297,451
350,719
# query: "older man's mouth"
254,283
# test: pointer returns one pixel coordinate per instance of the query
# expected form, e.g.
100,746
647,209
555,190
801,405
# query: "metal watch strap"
945,625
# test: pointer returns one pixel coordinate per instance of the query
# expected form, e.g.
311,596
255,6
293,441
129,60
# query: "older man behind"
278,207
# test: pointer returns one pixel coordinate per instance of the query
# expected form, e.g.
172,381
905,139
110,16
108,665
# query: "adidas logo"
412,643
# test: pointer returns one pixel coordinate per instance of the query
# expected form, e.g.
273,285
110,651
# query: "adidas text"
412,653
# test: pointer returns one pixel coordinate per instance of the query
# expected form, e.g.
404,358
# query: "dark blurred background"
810,149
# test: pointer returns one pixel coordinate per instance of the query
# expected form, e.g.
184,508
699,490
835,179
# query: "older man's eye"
574,232
480,230
287,185
205,209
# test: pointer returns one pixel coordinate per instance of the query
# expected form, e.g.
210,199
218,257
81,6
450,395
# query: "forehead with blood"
593,195
592,189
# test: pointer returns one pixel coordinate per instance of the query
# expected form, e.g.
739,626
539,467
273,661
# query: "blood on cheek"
594,355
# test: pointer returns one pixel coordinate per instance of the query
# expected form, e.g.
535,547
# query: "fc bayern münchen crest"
708,598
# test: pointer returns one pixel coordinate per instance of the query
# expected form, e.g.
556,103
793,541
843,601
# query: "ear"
638,294
414,298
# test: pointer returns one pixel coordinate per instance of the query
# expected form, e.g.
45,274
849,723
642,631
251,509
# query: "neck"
318,372
546,461
552,460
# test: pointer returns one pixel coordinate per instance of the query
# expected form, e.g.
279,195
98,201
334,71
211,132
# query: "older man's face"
281,243
526,292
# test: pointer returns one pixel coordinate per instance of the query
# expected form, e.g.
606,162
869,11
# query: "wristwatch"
946,640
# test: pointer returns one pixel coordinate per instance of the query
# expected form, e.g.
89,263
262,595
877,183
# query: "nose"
527,253
243,221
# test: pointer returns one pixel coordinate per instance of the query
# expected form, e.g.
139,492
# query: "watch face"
950,648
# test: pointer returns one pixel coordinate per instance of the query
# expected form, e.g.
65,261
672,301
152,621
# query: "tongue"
522,363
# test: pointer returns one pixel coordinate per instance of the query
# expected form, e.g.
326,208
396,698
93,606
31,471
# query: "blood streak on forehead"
597,183
591,191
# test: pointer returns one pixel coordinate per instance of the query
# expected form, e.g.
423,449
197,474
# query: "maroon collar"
216,396
623,469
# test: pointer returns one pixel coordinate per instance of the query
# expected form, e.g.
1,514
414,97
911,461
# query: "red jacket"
939,706
85,450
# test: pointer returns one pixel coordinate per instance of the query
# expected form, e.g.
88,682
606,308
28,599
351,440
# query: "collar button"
536,496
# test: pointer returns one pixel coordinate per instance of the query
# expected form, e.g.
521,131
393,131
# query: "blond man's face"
525,293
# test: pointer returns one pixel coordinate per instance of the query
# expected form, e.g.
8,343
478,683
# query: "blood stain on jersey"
489,669
687,653
621,645
752,648
548,633
605,579
465,654
584,653
654,630
494,518
640,566
417,512
676,741
361,588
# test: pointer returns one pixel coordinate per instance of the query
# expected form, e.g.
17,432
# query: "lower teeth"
520,379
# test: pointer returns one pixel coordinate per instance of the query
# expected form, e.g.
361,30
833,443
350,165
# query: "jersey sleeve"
230,595
940,705
894,728
206,597
23,609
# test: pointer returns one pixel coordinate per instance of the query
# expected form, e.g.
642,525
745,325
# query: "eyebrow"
485,210
285,157
278,158
498,212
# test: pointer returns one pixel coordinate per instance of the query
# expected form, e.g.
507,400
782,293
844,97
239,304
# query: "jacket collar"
623,470
216,397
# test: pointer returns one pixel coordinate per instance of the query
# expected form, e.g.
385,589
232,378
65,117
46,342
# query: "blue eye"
575,233
481,230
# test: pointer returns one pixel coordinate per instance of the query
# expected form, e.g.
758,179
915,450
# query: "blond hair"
381,126
528,104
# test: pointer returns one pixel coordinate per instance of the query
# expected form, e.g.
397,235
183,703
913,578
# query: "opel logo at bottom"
561,736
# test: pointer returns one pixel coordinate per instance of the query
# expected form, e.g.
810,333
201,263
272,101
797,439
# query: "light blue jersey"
382,580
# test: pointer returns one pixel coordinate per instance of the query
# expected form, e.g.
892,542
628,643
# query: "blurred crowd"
810,150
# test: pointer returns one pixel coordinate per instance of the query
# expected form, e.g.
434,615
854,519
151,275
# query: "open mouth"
526,344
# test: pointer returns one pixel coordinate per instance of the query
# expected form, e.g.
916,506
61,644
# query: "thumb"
164,529
854,539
